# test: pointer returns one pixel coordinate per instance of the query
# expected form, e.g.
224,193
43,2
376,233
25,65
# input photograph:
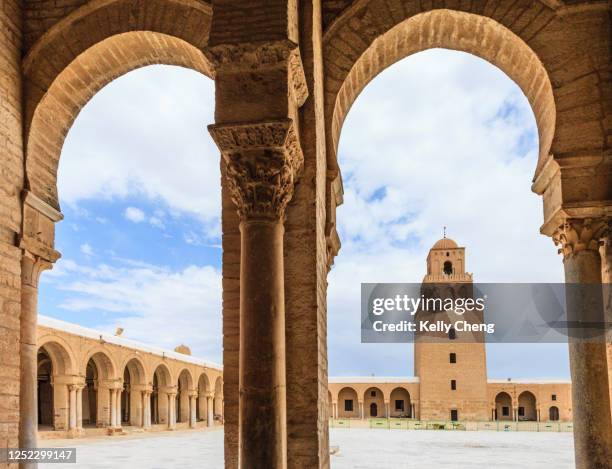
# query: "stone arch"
400,404
527,406
62,357
161,382
134,381
357,48
106,367
348,403
203,393
503,406
218,399
184,384
108,38
374,402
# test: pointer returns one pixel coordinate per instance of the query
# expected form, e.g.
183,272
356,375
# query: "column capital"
580,234
262,161
31,268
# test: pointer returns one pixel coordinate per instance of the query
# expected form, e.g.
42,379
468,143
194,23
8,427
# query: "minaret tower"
451,367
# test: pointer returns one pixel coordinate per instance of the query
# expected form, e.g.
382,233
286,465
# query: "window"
399,405
553,397
348,405
452,333
521,411
448,267
453,384
453,357
373,394
454,415
505,411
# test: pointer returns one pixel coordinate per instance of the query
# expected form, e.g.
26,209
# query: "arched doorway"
553,414
374,401
202,400
97,400
90,395
503,407
184,387
400,405
348,404
54,370
131,398
159,395
218,400
45,390
527,409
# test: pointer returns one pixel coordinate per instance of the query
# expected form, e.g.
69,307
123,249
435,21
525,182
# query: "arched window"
452,333
448,267
553,414
373,409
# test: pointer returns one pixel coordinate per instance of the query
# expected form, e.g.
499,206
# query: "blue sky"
440,138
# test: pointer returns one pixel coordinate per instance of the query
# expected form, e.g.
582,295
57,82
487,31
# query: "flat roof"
82,331
372,379
529,381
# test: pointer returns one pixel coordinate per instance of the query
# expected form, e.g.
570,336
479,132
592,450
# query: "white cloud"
145,135
134,214
87,249
153,304
440,138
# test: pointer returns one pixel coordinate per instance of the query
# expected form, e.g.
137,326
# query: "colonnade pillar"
79,406
261,164
72,411
580,240
171,410
192,409
210,413
36,242
146,408
31,268
260,85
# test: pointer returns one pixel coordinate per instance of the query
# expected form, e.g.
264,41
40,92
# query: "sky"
441,138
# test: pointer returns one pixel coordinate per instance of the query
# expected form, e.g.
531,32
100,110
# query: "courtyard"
358,448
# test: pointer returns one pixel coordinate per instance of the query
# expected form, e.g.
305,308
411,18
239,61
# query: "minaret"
451,366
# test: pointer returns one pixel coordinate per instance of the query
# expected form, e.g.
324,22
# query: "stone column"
118,404
79,406
171,410
210,413
113,407
361,410
579,240
31,268
72,419
192,410
262,161
387,410
147,409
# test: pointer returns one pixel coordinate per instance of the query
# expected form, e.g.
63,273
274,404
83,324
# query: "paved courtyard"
359,448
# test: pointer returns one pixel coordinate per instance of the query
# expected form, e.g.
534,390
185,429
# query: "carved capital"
576,235
31,268
262,161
